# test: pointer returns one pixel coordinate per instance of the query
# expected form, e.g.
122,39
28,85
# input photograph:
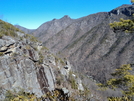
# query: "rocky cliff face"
26,64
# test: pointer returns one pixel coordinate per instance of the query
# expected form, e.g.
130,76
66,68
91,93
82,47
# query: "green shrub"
35,48
1,35
9,96
44,48
28,47
8,29
1,53
72,81
31,37
21,38
40,58
59,79
57,59
20,96
56,95
124,98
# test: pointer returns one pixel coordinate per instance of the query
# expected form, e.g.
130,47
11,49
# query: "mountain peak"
66,16
124,9
29,31
54,19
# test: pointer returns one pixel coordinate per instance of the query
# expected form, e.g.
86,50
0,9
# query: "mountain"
48,29
28,31
93,49
100,50
89,43
29,71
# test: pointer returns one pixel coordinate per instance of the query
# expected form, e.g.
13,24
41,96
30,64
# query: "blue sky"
32,13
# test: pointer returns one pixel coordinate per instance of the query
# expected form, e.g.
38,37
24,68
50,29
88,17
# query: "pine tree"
132,1
123,79
123,25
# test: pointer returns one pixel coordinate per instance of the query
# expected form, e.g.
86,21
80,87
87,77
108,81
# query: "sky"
32,13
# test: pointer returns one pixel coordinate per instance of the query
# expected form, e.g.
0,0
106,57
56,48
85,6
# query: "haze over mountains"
89,43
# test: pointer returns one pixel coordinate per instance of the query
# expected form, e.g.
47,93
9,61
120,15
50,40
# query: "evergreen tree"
124,79
123,25
132,1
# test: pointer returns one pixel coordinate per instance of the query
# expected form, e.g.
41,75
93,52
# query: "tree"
132,1
123,25
122,78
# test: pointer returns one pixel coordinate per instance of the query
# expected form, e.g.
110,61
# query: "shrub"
72,81
31,37
28,47
59,79
20,96
56,95
44,48
40,58
124,98
1,53
1,35
8,29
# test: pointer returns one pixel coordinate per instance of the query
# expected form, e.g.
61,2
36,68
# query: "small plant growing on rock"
1,53
28,47
44,48
59,79
40,58
72,81
21,96
1,35
31,37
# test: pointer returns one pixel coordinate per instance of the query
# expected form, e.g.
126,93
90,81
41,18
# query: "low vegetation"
72,81
123,25
40,58
123,79
7,29
31,38
56,95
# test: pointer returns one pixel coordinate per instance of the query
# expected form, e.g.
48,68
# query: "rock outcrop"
26,64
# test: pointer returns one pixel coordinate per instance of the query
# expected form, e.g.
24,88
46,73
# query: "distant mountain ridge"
52,27
29,31
89,42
